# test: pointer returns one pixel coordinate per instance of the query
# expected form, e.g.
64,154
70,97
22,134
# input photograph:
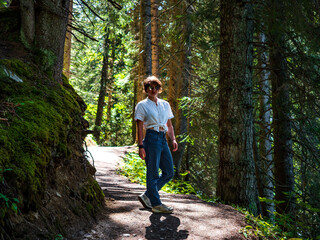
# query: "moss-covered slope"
46,182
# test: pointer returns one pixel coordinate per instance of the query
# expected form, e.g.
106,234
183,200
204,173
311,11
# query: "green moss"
92,193
90,208
37,128
41,143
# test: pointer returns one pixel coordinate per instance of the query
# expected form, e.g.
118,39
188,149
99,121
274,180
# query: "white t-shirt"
154,115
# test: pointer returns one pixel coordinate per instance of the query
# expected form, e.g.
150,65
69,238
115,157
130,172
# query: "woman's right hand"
142,153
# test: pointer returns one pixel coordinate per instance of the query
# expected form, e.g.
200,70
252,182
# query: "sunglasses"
156,88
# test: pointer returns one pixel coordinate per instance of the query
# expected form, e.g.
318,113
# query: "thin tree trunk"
154,38
148,49
284,178
283,161
142,51
236,177
103,89
134,75
184,87
175,76
67,45
110,86
265,161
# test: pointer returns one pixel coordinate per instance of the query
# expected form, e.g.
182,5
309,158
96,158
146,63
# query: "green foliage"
263,229
117,130
87,66
134,168
59,237
3,3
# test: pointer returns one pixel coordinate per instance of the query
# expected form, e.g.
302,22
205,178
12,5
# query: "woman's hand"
174,145
142,153
171,136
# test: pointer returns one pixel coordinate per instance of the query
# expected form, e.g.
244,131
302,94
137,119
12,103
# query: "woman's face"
153,90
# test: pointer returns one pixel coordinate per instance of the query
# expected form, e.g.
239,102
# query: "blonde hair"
152,80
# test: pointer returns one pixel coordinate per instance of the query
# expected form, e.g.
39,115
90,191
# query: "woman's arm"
171,135
142,152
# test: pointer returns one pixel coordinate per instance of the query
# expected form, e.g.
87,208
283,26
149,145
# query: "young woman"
155,115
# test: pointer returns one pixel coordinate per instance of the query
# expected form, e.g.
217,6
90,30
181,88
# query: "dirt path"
125,218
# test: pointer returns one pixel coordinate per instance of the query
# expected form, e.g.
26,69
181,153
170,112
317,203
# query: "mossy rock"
40,137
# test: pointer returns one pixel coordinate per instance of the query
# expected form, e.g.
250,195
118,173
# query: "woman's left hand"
174,145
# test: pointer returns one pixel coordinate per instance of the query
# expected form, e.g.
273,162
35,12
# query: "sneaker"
145,201
162,209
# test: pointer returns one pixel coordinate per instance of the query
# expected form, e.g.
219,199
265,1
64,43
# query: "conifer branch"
78,40
92,10
82,32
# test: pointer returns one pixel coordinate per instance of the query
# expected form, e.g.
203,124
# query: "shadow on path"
165,226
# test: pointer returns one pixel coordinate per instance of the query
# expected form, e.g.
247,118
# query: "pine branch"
92,10
115,4
78,40
85,13
82,32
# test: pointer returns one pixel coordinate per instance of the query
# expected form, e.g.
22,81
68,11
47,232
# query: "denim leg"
166,166
153,153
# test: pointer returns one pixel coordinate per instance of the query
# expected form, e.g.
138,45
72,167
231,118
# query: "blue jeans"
158,155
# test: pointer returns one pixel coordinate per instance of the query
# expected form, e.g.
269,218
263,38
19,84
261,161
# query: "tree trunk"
265,161
67,45
184,90
236,176
103,88
283,161
134,75
50,31
110,87
175,71
142,51
27,22
148,49
44,23
154,38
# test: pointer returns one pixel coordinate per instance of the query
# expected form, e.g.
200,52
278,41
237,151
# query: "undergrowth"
258,227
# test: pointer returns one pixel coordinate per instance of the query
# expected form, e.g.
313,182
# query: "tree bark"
184,90
154,38
67,45
50,31
148,49
236,176
142,51
283,160
109,85
44,25
27,22
135,74
103,88
265,161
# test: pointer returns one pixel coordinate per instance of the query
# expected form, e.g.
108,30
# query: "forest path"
124,217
